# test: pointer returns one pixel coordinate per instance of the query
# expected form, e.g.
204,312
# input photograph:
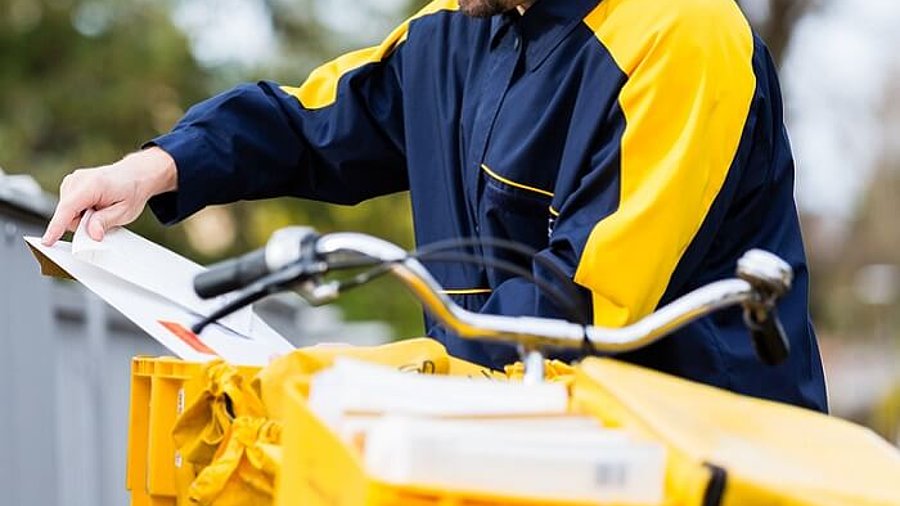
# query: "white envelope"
153,287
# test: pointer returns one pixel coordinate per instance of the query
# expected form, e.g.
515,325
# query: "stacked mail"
505,438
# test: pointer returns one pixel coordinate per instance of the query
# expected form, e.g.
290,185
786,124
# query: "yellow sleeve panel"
690,84
320,89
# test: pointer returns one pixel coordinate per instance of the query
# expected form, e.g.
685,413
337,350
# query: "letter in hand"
117,193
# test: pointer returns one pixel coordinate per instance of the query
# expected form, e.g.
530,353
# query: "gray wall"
64,366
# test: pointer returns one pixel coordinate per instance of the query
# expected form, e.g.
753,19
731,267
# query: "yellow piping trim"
554,212
320,88
470,291
686,101
502,179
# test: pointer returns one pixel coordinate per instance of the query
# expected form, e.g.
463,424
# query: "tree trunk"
778,27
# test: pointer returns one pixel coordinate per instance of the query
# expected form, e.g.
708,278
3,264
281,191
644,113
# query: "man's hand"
117,193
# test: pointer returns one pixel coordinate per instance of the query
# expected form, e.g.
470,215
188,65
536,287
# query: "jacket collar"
543,26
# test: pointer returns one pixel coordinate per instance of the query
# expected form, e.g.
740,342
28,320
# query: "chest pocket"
514,211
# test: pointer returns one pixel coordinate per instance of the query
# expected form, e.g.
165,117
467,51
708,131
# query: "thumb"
103,220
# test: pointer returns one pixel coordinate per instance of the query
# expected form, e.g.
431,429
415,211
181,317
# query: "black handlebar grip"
230,275
769,339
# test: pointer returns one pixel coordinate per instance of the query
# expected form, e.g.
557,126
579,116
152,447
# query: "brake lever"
769,338
771,277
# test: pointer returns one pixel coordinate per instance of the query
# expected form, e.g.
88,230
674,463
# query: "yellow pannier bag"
244,468
727,449
232,433
460,367
202,427
555,371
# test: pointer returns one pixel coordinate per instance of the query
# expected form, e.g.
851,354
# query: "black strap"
715,489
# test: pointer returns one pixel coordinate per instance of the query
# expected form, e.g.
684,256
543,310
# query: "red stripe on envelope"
189,338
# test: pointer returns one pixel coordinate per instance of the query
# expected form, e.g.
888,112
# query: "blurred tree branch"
778,27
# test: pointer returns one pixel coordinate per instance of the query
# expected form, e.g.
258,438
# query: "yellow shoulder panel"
320,89
690,84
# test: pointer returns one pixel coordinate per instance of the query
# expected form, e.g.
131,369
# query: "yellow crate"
161,388
319,469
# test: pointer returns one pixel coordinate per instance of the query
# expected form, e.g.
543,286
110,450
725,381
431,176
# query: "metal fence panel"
64,377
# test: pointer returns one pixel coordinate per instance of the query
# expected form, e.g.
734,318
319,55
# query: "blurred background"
84,81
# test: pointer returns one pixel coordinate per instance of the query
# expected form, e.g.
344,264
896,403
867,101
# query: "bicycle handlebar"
762,278
232,274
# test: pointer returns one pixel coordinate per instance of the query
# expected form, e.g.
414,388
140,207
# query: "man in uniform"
639,145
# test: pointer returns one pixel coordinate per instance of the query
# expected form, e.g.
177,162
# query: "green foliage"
81,98
85,81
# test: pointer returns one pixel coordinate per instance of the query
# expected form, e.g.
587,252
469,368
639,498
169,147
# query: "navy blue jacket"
638,144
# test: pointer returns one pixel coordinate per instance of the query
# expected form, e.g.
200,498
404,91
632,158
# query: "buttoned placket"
502,63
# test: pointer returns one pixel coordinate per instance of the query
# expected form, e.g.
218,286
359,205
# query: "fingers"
52,234
74,224
103,220
74,199
117,193
66,217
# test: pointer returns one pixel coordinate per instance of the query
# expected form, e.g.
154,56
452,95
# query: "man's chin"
484,8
